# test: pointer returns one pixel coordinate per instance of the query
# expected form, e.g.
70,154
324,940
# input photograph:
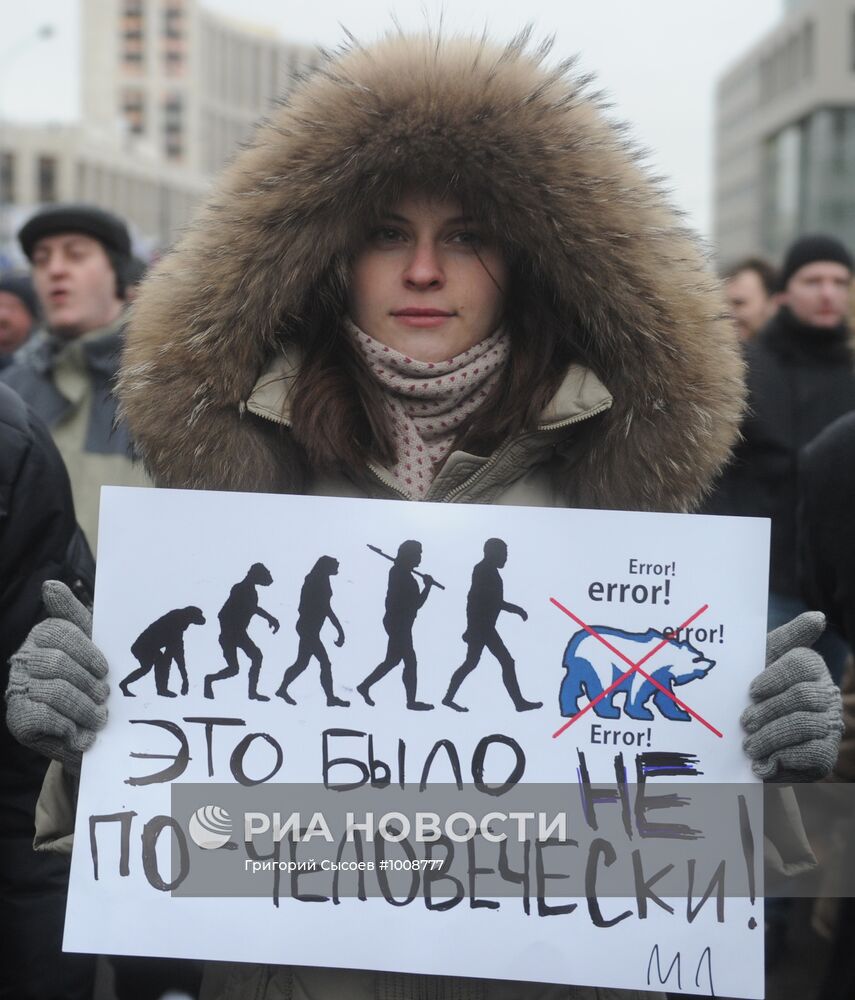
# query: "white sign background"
165,549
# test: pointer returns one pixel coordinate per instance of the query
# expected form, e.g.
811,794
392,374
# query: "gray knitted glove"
56,694
796,721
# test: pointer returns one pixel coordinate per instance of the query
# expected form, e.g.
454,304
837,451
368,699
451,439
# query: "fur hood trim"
529,144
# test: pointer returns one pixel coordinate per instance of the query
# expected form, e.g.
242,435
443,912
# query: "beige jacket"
627,288
518,473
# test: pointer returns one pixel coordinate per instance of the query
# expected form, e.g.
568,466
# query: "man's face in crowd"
16,323
75,283
749,303
818,293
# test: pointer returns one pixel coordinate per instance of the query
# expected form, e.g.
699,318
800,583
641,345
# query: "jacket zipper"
377,473
489,464
496,458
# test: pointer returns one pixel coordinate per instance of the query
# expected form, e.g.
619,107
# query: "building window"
174,37
133,111
173,20
7,178
173,127
132,32
842,153
173,60
784,178
46,179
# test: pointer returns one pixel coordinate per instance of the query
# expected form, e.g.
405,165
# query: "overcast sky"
657,59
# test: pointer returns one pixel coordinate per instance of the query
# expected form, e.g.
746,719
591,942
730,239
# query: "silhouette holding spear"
403,601
415,572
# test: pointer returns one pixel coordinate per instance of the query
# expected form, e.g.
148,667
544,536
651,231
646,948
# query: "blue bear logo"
592,667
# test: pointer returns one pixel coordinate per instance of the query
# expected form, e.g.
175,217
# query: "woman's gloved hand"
796,721
57,693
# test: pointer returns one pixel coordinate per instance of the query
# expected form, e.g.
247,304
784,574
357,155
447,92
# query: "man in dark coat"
827,524
79,256
827,573
39,540
801,377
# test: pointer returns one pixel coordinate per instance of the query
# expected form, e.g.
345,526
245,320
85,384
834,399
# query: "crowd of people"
384,222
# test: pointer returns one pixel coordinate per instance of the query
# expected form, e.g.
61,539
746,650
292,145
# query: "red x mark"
633,668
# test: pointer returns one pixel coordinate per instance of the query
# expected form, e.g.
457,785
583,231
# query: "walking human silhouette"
235,615
157,646
484,603
403,601
314,609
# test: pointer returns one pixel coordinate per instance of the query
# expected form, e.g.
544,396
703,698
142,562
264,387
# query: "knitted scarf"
429,401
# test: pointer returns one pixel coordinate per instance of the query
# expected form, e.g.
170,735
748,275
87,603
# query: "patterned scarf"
429,401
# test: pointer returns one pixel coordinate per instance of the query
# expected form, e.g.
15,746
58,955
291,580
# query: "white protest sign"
360,647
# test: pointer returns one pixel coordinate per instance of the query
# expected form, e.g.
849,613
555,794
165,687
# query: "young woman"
439,274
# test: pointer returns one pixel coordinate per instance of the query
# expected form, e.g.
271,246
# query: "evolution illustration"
590,670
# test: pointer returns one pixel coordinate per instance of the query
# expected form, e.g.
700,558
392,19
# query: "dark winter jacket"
826,532
39,540
31,375
69,384
827,524
800,379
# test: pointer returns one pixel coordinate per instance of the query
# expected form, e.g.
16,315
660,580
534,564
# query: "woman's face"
426,283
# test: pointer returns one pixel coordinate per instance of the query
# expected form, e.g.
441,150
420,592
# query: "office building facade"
169,90
785,134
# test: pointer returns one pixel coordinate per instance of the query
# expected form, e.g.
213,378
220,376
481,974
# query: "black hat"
21,287
102,226
809,250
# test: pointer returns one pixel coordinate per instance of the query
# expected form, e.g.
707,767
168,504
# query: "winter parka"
69,384
39,540
643,419
801,378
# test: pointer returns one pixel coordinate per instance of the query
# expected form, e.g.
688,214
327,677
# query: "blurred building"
785,134
168,92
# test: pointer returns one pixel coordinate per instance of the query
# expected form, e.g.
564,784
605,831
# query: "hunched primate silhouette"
403,601
314,610
158,645
484,603
235,615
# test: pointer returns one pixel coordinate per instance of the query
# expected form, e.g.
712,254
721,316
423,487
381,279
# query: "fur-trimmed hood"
533,147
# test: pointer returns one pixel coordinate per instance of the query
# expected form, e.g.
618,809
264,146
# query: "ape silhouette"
315,608
158,645
235,615
403,601
484,603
